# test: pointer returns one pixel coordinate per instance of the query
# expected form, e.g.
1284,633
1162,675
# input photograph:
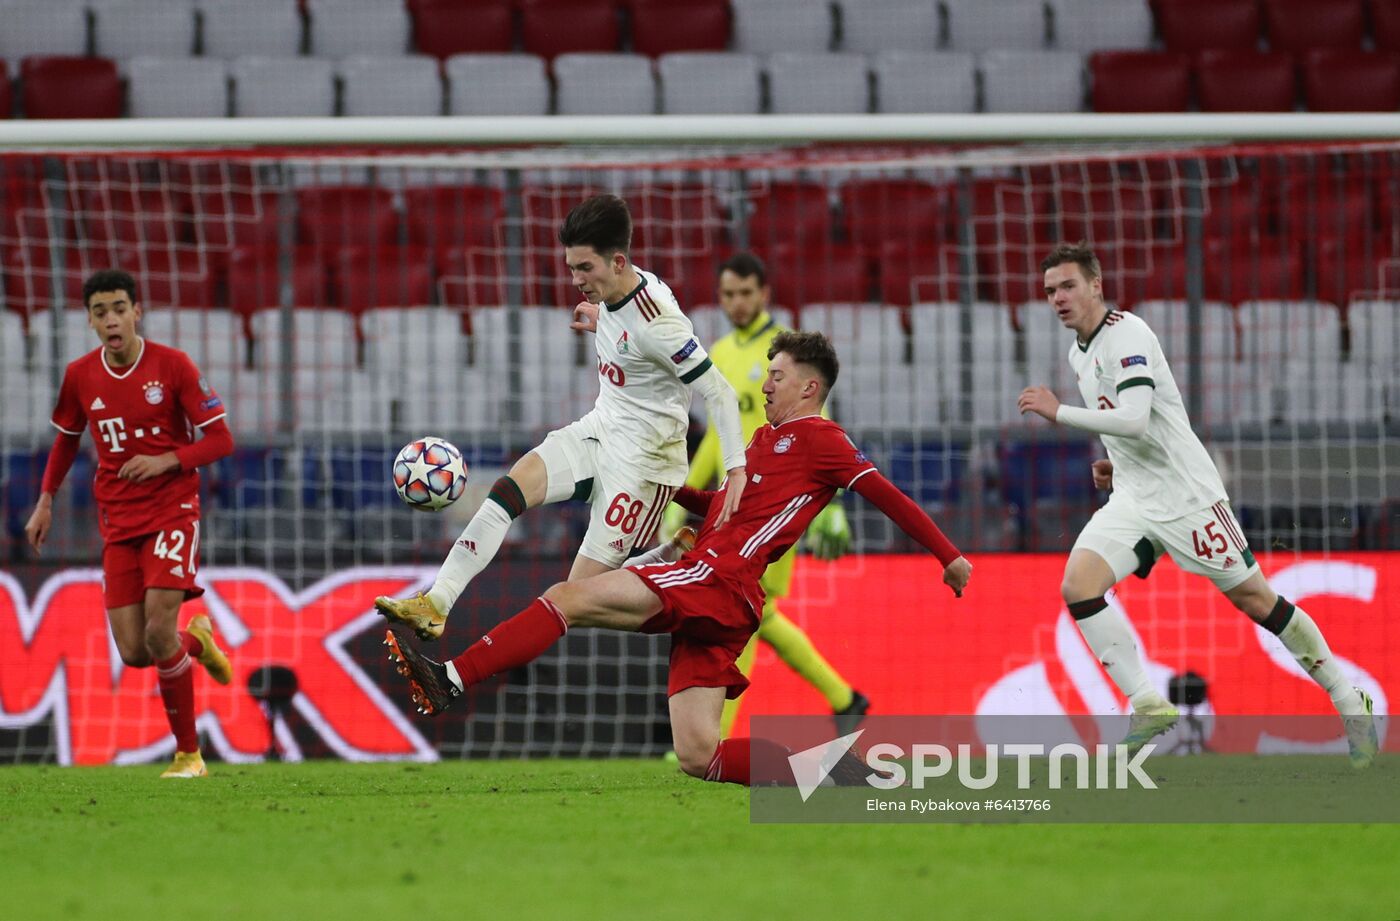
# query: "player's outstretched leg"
426,613
433,689
201,645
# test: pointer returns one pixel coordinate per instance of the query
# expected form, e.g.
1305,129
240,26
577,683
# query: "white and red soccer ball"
430,474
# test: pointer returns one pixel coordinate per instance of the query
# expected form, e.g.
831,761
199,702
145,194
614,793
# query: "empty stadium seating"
250,27
925,81
665,26
878,382
949,359
800,83
1193,25
399,85
177,87
1087,26
873,26
898,210
709,83
43,27
801,275
347,215
339,29
383,276
1297,25
1246,81
1336,80
790,212
1139,81
273,87
454,216
1032,81
763,26
911,273
1385,24
443,28
604,84
129,28
6,92
553,27
497,84
984,25
70,87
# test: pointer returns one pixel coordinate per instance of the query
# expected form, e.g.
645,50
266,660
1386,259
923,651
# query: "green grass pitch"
618,840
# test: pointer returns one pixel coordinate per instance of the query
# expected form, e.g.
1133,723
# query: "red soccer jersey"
151,407
793,470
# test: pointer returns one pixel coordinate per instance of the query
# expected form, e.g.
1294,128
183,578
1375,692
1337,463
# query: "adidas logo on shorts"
616,545
469,544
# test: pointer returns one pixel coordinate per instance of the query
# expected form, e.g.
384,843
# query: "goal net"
343,301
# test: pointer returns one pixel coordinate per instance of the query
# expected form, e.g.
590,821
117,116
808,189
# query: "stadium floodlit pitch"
619,840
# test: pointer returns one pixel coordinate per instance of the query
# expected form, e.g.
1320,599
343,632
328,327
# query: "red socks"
739,760
177,691
519,640
193,647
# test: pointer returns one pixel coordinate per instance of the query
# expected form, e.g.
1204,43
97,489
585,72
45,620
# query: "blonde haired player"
742,357
627,456
1167,495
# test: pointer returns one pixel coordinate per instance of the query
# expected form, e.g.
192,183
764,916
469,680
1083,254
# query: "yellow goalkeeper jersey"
742,357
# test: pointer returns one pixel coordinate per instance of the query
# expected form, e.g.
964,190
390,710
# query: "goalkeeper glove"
829,536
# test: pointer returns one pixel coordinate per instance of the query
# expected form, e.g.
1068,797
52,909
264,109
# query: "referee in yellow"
742,357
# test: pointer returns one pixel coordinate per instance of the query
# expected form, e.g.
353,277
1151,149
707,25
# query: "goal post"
347,285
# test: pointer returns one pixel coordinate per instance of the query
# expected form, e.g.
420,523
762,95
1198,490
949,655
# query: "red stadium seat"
1263,268
1194,25
1011,274
29,277
693,277
1345,272
184,278
1105,214
347,216
253,279
7,104
235,216
1297,25
837,273
912,273
69,87
1246,81
790,212
455,216
1385,24
385,276
472,278
1242,206
125,215
1008,212
662,26
1139,81
550,28
443,28
668,217
1337,80
1134,274
879,210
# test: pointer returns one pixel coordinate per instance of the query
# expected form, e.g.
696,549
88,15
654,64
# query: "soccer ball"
429,474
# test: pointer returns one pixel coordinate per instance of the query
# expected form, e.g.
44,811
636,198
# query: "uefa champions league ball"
430,474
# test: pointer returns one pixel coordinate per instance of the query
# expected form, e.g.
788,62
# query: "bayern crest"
782,445
155,393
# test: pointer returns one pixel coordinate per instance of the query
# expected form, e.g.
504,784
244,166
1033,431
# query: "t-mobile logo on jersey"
113,432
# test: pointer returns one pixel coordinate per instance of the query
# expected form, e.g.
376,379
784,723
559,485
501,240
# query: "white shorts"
1208,542
626,509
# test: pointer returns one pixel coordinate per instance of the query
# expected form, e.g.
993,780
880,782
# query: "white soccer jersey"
1167,472
647,355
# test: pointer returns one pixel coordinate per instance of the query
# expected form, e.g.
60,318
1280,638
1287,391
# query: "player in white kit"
627,456
1167,496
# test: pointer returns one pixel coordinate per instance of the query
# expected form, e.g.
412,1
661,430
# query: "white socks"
1109,636
1304,640
472,552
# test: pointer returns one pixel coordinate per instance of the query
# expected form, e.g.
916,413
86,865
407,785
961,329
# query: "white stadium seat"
497,84
982,25
391,85
143,27
604,84
270,87
925,81
177,87
339,29
802,83
872,26
232,28
709,83
1087,26
1032,81
940,352
763,26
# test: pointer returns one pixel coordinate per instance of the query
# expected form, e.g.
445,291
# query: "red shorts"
710,616
166,559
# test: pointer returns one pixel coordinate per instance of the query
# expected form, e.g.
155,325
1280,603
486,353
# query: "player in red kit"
142,402
709,600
